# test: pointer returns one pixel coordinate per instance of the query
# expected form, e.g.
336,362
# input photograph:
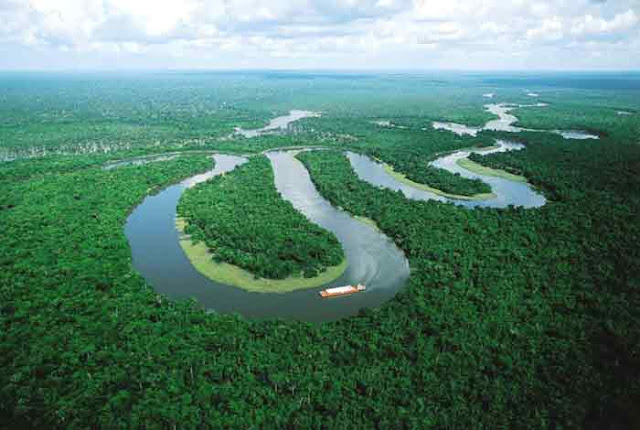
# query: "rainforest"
164,237
285,245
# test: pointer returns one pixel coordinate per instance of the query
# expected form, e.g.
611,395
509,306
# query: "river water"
505,122
278,123
373,259
139,161
507,192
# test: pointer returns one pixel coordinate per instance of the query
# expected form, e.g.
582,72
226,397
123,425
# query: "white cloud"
550,29
593,25
414,33
157,18
66,20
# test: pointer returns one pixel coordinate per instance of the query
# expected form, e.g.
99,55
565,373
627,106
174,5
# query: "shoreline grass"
367,221
474,167
229,274
403,179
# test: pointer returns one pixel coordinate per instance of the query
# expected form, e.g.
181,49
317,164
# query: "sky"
320,34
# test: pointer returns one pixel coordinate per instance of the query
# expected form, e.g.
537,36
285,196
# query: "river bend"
372,258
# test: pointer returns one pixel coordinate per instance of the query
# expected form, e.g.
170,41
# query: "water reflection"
576,134
138,161
505,122
278,123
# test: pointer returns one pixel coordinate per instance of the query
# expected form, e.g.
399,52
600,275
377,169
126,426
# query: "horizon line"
313,70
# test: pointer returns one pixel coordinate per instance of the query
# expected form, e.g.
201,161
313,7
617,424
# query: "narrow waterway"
278,123
505,122
139,161
507,192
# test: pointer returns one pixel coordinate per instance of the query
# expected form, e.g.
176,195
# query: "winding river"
278,123
505,122
372,258
507,192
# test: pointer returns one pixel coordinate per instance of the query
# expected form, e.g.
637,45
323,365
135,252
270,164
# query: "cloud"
592,25
153,17
550,29
321,33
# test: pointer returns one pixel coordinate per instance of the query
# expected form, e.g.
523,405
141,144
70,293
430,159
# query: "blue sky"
320,34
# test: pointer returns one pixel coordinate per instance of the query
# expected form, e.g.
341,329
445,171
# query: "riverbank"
479,169
229,274
367,221
403,179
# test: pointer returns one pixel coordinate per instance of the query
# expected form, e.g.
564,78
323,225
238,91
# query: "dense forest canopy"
244,221
512,318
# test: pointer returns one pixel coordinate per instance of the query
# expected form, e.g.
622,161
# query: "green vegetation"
226,273
474,166
243,220
457,185
439,181
595,115
173,112
408,152
512,318
523,291
94,113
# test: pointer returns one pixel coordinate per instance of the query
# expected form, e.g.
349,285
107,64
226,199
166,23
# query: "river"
506,192
373,259
278,123
505,122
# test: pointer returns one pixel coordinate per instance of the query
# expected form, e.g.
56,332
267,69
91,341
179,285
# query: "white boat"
342,291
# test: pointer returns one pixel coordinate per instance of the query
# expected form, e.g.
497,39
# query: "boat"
342,291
